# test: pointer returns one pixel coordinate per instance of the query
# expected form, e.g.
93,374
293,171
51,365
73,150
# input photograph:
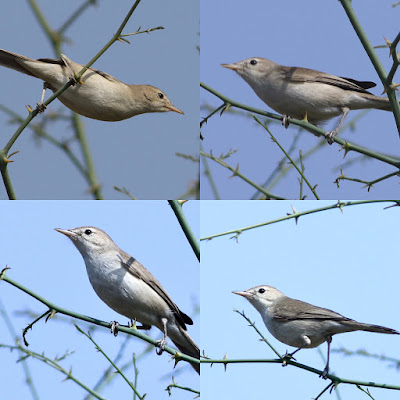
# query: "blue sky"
346,262
139,153
47,263
317,35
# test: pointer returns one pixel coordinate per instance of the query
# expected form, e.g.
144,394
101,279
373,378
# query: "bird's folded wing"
303,75
78,67
293,309
139,271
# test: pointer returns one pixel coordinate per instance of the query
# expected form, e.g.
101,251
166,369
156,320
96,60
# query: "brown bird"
98,95
300,92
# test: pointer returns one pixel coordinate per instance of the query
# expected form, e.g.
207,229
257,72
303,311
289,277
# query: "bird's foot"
40,107
287,356
330,135
114,327
285,121
324,374
161,344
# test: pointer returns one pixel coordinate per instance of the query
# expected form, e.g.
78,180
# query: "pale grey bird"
130,289
300,92
100,96
301,324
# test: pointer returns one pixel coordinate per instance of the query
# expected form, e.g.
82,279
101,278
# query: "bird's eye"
160,95
253,62
262,290
88,232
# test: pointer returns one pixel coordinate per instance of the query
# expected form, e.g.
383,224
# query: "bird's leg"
114,327
285,121
41,106
326,369
162,342
330,135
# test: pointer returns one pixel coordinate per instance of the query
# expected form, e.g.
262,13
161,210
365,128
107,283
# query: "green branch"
53,308
240,175
54,364
312,188
180,215
296,215
306,125
389,89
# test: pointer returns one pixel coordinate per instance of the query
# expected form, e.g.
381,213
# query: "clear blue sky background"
346,262
139,153
315,34
49,264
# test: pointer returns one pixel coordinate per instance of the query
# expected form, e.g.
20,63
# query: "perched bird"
130,289
98,95
300,92
301,324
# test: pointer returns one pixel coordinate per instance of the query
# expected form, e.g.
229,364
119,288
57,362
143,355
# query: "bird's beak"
233,67
244,294
174,109
65,232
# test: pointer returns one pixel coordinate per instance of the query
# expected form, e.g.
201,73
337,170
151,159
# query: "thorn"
51,315
3,272
346,148
388,42
226,108
235,172
7,159
225,358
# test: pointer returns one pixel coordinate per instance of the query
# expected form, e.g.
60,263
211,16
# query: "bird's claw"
288,356
40,107
329,136
160,344
114,327
285,121
324,374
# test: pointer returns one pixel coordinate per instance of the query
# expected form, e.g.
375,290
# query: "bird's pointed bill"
171,107
65,232
233,67
243,294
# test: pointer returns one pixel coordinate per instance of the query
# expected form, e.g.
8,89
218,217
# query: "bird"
301,93
97,95
300,324
127,287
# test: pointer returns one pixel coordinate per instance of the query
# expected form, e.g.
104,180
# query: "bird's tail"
359,326
372,101
187,346
10,60
379,329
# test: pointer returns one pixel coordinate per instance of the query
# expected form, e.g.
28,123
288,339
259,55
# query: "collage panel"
262,61
257,257
104,153
76,266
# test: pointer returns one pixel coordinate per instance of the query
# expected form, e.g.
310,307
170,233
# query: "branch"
177,208
296,215
129,330
309,127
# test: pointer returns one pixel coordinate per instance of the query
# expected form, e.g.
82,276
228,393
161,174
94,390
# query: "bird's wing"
292,309
139,271
303,75
96,71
